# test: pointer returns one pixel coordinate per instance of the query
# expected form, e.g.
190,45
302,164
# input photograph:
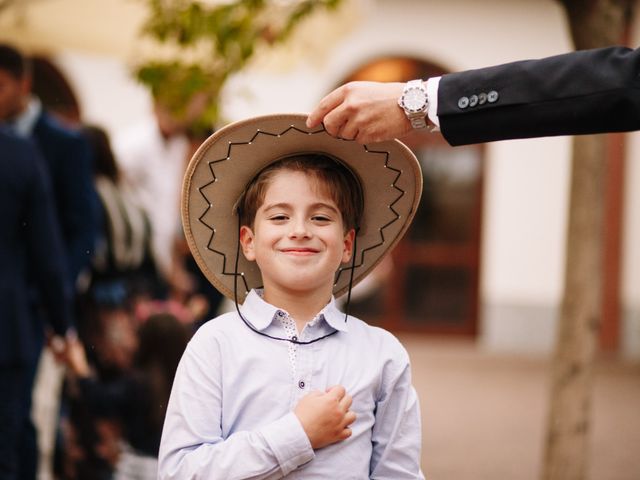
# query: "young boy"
288,386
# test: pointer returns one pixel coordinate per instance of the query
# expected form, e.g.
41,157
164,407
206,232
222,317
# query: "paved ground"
484,414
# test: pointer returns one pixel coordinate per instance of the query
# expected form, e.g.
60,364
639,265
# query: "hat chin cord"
290,340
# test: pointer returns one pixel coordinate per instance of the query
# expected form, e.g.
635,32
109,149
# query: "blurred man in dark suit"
31,261
65,152
68,164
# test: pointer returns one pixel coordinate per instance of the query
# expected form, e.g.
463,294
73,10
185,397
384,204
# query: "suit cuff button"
463,102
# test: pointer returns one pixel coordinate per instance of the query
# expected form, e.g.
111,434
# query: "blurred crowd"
94,268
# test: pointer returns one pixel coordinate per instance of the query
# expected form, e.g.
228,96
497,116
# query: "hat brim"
229,159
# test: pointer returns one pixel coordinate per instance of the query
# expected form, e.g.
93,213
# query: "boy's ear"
347,252
246,242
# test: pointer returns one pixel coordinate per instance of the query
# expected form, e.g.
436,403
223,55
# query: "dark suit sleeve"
589,91
45,249
78,203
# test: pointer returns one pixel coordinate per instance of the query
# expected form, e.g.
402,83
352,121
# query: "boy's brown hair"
334,178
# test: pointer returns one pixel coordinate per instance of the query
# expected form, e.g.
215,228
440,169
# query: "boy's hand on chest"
325,416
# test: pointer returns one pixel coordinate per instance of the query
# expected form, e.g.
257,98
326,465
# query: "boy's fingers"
349,418
337,391
346,433
345,402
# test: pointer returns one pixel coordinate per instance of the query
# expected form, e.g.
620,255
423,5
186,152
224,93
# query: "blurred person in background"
152,158
65,152
122,265
31,262
69,165
136,400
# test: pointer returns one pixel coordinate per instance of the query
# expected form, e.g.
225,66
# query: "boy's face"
298,238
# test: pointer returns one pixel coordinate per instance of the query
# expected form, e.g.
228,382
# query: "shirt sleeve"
397,434
433,84
193,445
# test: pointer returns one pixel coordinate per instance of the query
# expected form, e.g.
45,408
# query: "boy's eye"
321,218
279,217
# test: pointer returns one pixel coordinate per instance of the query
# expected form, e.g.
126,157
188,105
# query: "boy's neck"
303,308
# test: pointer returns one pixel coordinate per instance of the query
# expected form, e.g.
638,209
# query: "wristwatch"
414,102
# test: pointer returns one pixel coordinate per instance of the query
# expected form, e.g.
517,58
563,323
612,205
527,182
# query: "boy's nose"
299,229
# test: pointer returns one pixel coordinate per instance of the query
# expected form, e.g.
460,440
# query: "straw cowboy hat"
388,172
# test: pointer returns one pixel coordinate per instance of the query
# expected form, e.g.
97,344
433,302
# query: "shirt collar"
24,123
261,313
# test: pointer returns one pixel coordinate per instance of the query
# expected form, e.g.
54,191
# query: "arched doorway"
433,285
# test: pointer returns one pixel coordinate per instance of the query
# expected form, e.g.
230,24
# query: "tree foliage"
201,43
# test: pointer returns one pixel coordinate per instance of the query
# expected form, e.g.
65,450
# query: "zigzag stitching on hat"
214,178
381,230
213,231
288,129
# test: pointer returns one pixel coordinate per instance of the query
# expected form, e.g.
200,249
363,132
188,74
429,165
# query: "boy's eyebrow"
286,205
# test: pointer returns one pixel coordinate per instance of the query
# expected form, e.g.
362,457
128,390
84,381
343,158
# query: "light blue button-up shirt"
230,415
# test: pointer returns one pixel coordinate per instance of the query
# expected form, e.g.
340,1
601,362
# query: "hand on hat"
366,112
325,417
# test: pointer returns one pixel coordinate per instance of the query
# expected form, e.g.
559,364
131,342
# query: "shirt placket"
300,356
304,373
291,332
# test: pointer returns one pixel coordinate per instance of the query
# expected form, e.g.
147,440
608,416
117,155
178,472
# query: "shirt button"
280,313
301,385
294,338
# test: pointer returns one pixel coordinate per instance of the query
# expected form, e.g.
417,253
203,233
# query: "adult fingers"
339,122
349,131
326,105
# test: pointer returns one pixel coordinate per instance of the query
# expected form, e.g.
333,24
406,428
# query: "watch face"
414,99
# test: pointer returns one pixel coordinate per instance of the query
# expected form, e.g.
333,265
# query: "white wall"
107,92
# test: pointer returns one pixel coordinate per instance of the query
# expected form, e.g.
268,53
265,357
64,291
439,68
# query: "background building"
488,258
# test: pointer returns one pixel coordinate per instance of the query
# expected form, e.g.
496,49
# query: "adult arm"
397,433
583,92
589,91
193,445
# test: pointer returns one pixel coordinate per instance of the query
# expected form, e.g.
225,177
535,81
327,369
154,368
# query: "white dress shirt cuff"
289,443
432,95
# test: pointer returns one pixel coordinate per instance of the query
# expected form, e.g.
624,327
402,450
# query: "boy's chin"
303,285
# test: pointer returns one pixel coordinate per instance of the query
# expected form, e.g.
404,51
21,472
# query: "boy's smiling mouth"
299,251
